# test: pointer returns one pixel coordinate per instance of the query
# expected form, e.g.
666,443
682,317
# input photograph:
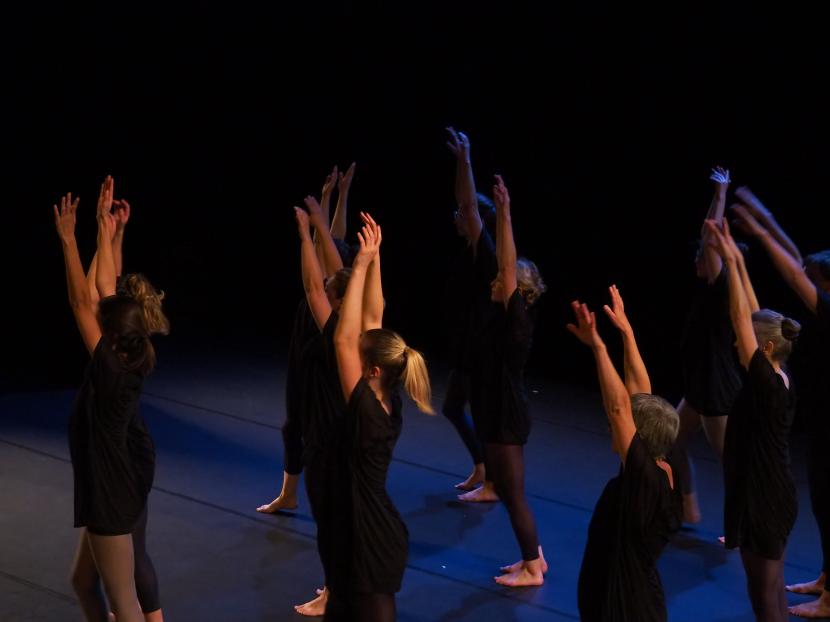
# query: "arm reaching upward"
121,211
313,285
330,261
79,298
325,201
373,289
505,245
614,394
636,375
338,222
465,187
105,265
347,334
787,264
711,260
766,219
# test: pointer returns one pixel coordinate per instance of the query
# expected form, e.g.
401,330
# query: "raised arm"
373,290
105,277
315,291
325,200
711,260
739,309
338,221
615,397
121,211
347,334
768,222
636,375
79,298
327,251
788,265
465,186
749,290
505,245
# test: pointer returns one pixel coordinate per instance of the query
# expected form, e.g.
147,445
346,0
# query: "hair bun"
790,329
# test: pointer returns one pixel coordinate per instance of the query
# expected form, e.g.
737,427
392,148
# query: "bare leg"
689,425
316,606
765,585
86,583
116,564
287,499
715,429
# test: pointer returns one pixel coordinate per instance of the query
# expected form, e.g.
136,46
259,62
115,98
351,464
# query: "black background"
604,122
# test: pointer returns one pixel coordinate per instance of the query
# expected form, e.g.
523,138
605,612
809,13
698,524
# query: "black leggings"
506,467
765,585
458,394
818,478
146,583
360,608
292,442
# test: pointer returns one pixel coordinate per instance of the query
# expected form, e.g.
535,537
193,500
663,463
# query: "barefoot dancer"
112,478
812,284
760,505
373,362
711,376
641,508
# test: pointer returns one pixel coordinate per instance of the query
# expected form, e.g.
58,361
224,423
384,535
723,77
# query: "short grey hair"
656,421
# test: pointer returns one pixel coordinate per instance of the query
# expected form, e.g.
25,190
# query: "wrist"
598,347
68,240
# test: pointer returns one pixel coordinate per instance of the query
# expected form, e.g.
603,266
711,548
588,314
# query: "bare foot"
483,494
819,608
691,509
813,587
528,575
722,540
518,565
316,607
476,478
280,503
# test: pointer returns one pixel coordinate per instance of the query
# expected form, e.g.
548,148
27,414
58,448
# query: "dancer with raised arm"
373,362
641,508
112,452
811,282
760,505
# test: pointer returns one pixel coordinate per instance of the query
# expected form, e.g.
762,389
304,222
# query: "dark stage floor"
216,423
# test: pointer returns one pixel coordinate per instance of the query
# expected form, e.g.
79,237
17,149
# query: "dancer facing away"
641,508
112,452
711,375
322,401
760,505
372,362
304,330
499,400
468,311
811,282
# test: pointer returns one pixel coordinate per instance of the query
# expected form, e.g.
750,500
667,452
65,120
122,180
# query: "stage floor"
216,422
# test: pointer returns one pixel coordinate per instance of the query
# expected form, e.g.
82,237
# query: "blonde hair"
771,326
529,280
399,363
138,287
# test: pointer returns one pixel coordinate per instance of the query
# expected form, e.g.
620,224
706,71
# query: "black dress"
113,459
323,417
760,505
633,521
380,539
711,372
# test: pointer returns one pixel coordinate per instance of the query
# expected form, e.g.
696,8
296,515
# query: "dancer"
469,309
641,508
711,375
499,400
112,477
760,505
372,362
811,282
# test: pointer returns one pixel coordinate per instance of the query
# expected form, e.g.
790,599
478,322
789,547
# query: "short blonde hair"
529,280
139,288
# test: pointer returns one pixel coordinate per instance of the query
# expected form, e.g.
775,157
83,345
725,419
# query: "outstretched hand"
721,240
748,198
746,221
370,238
585,328
344,181
65,217
459,144
616,312
301,216
500,196
331,180
121,211
315,213
720,176
104,212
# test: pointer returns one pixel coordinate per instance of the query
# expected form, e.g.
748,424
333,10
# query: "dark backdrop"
604,123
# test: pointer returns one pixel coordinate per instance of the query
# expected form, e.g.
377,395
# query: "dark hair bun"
790,329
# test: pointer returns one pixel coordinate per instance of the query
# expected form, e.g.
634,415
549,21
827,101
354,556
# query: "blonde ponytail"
137,286
416,380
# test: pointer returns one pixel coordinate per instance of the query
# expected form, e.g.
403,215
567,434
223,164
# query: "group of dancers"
344,410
